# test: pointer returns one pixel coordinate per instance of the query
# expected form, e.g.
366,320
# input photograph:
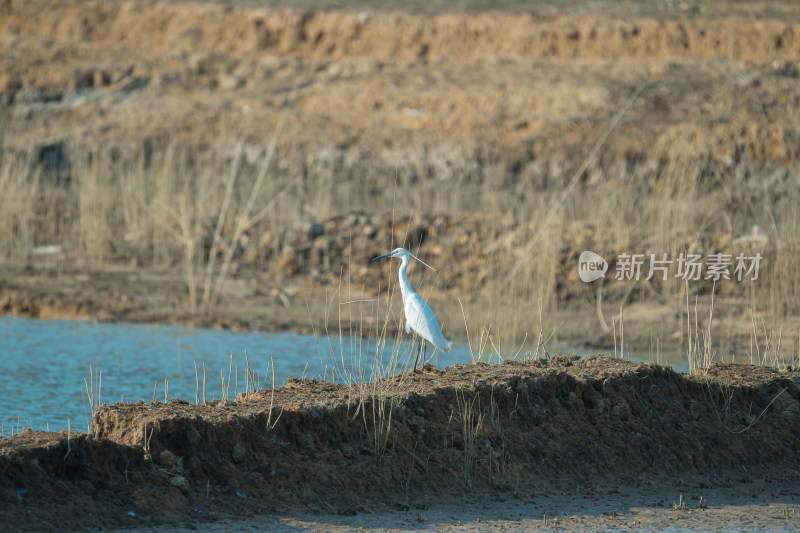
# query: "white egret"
419,316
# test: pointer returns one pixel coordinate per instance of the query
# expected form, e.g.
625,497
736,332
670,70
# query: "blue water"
43,365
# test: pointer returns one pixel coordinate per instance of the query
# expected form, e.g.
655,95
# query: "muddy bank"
466,432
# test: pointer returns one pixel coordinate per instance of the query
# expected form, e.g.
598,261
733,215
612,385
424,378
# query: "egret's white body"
419,316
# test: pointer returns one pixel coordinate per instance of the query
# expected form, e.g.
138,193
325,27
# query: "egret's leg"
419,352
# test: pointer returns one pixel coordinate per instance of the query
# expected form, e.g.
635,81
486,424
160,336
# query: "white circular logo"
591,266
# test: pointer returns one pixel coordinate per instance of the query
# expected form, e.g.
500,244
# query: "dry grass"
468,417
92,393
375,375
699,351
208,211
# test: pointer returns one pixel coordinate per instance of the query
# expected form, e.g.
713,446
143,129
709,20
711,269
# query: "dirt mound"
517,93
466,431
247,31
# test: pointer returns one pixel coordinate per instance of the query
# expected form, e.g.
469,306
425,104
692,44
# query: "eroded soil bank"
465,433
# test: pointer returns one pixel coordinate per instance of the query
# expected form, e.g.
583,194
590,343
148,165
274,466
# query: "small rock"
181,483
228,82
238,453
168,460
194,436
315,230
200,62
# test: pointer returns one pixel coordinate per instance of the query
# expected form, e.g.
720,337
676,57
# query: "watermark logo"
591,266
689,267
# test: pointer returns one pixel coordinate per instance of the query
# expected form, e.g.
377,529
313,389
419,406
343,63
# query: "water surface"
43,364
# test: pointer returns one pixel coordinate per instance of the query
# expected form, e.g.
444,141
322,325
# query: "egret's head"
402,253
397,252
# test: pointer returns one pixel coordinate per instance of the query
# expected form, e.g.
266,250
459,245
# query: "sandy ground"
625,510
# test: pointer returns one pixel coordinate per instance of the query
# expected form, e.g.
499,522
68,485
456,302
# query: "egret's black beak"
382,256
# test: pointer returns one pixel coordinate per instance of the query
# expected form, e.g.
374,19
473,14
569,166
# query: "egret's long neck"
405,286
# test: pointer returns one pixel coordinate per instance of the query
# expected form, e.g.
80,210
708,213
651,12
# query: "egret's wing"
421,319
